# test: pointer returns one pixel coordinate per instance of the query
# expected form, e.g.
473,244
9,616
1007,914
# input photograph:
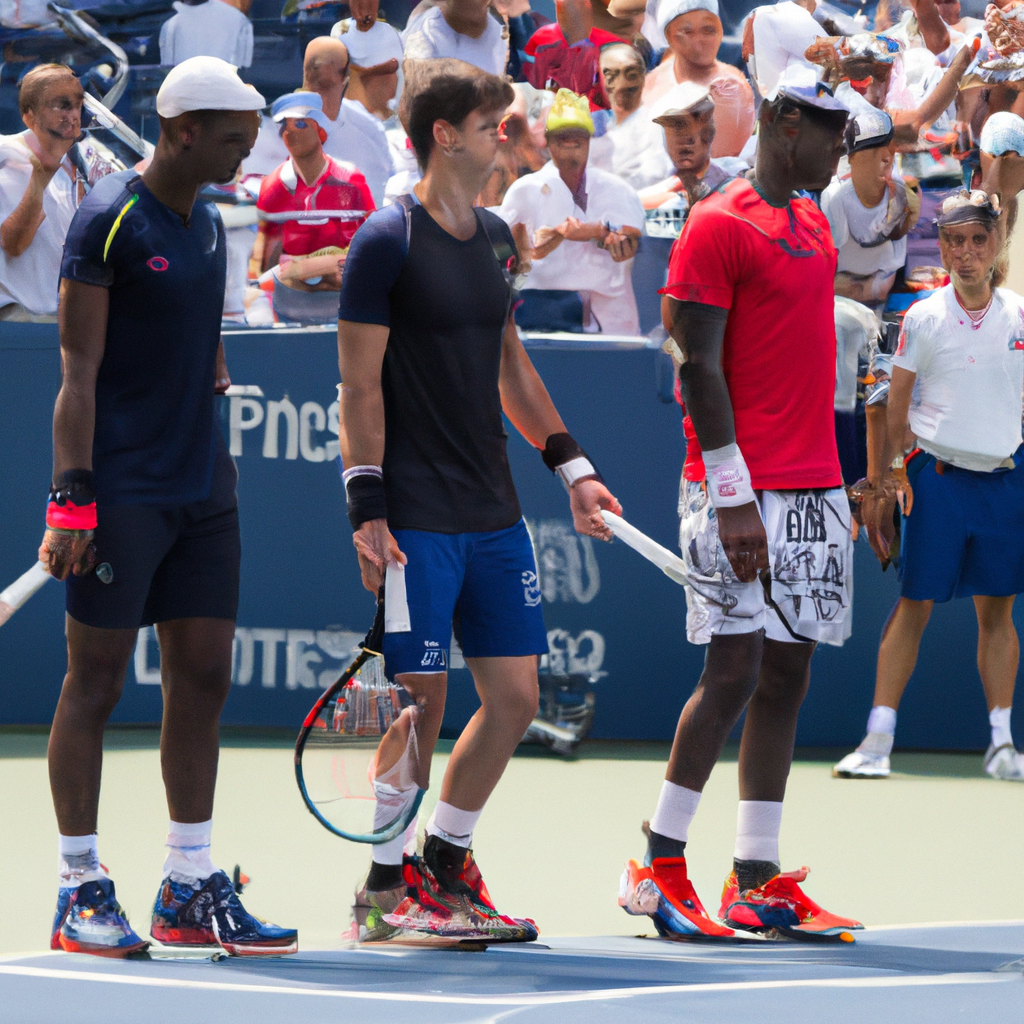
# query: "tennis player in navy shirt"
429,359
142,519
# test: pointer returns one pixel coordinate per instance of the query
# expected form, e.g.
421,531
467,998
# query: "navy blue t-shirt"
155,428
446,304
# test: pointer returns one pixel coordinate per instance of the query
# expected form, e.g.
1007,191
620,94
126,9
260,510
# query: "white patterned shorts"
810,550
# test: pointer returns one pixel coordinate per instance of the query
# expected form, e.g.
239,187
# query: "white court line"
519,999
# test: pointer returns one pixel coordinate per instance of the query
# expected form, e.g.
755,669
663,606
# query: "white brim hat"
205,83
669,10
681,99
372,48
300,104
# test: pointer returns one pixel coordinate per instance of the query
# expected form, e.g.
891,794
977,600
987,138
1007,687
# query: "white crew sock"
999,719
676,807
757,830
452,824
188,851
78,861
882,719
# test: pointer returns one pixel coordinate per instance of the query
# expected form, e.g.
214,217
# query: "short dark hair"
449,90
30,91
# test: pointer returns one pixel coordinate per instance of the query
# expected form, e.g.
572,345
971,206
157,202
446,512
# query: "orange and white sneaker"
663,893
780,906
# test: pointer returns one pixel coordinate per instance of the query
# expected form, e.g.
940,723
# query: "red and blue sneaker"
779,906
209,913
664,893
90,920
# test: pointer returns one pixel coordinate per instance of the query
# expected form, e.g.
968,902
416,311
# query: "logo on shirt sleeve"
157,263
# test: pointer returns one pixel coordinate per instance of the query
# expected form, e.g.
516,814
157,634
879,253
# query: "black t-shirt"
446,303
155,425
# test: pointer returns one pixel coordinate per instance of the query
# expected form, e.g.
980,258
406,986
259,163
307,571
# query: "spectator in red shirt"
312,251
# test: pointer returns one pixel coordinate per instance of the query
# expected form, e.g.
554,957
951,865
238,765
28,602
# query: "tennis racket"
21,590
357,756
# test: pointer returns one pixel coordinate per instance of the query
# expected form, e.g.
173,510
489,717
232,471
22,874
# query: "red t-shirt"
773,270
339,187
551,63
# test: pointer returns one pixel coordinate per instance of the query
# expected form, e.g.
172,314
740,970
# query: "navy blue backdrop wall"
608,613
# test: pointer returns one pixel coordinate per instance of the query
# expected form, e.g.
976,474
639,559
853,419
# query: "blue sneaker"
211,914
90,920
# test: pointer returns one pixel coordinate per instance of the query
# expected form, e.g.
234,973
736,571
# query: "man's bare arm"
526,402
933,28
361,350
910,123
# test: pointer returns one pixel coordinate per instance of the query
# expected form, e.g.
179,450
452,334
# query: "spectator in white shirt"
870,212
208,28
375,58
39,192
464,29
353,134
584,227
633,146
779,35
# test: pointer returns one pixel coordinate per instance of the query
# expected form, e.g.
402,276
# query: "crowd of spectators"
624,116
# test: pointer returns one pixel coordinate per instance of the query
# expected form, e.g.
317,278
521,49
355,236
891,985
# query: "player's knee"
206,681
519,703
94,683
995,615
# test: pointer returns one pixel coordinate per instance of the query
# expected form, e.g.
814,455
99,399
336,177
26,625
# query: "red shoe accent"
645,889
183,936
114,953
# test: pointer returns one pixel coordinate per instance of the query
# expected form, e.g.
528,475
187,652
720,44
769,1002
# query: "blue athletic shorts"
965,533
485,584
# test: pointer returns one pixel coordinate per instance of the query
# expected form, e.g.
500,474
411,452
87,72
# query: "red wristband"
71,516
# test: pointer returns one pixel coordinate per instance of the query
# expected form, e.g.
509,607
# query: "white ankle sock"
188,851
757,830
78,861
676,807
882,719
999,719
452,824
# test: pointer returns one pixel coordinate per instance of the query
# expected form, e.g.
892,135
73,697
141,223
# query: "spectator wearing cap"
686,113
207,28
584,226
870,212
375,58
39,192
354,135
632,147
694,33
463,29
312,252
775,36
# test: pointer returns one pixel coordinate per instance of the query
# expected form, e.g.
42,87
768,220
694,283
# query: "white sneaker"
862,764
1004,763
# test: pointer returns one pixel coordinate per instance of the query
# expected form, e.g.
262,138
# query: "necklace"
976,316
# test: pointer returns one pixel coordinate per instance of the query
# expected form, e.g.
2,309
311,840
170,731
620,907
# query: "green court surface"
938,841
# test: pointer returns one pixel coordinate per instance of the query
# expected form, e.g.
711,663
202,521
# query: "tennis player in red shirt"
765,522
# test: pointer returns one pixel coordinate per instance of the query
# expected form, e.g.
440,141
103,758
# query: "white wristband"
573,471
728,477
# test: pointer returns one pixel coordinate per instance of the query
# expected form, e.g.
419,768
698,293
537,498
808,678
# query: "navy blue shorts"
484,583
177,562
965,533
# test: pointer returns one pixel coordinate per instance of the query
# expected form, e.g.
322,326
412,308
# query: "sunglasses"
297,122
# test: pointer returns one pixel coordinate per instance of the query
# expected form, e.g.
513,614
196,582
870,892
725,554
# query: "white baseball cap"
205,83
379,44
682,97
669,10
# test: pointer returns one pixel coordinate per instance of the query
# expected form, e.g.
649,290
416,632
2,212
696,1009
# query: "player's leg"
88,917
998,658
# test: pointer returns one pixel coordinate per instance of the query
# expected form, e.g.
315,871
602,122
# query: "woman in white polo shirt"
957,379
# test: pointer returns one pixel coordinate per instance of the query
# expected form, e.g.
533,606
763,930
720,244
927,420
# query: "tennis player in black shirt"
142,519
429,359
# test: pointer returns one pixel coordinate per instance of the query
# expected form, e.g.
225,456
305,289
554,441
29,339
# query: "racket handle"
396,603
671,565
21,590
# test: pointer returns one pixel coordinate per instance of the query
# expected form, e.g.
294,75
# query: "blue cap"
309,105
799,83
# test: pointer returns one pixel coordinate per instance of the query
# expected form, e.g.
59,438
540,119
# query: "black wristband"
365,496
75,485
560,449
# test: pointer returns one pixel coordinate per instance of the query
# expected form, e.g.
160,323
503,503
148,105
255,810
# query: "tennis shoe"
208,912
664,893
780,906
1004,763
90,920
869,761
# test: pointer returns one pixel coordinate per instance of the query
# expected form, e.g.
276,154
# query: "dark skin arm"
83,338
699,332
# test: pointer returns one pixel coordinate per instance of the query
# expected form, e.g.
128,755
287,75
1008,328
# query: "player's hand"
741,532
876,512
221,377
375,547
63,552
586,499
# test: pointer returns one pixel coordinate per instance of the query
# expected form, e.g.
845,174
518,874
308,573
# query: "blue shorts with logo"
483,584
965,533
